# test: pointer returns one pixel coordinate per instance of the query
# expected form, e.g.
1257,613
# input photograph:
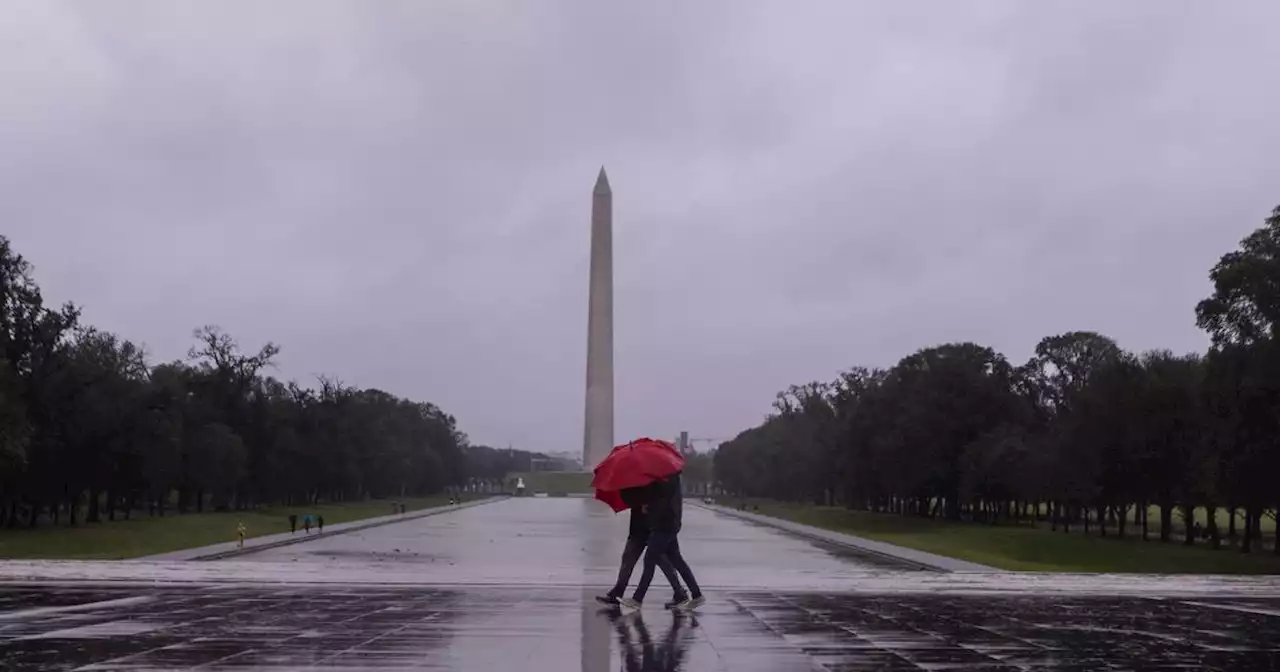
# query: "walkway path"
508,585
571,541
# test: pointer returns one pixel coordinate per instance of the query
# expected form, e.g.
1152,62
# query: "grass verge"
1025,548
141,536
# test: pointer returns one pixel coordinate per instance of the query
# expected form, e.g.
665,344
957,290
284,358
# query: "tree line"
1084,434
90,428
495,466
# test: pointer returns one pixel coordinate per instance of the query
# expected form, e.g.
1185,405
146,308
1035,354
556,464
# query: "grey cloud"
398,192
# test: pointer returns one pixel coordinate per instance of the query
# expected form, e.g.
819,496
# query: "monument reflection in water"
595,623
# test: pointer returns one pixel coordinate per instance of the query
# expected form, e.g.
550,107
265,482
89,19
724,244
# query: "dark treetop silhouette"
1081,433
87,422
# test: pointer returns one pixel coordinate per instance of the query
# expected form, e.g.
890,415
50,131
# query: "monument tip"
602,183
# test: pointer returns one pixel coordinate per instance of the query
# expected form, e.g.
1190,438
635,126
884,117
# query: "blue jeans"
664,546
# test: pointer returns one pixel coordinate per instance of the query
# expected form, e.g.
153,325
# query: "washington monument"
597,433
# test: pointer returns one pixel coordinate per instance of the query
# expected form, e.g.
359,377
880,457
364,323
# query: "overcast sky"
399,192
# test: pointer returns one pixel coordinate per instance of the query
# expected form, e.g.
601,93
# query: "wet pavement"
508,586
296,627
570,541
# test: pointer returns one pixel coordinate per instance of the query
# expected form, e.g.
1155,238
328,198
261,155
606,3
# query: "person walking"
293,523
306,523
665,513
240,532
637,540
320,523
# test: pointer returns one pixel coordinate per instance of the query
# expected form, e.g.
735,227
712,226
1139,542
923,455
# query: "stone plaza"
509,585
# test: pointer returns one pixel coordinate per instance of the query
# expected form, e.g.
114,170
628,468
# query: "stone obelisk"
598,427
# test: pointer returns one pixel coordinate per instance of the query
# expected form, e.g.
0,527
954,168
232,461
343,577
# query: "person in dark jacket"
637,540
665,512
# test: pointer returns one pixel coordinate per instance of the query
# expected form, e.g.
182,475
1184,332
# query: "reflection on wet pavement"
112,628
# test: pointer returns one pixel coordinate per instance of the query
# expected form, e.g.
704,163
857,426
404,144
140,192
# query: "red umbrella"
634,465
613,498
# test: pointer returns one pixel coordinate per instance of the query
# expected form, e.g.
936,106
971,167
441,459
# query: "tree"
15,432
808,412
1245,306
1169,422
1063,365
87,423
947,397
1083,428
99,406
1099,438
1242,317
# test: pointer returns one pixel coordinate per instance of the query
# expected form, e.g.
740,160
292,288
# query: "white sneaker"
691,603
629,604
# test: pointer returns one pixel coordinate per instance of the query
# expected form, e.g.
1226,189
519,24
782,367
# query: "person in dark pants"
665,506
637,539
293,523
320,523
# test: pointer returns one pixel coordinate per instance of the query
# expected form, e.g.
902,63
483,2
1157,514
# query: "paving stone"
510,585
472,628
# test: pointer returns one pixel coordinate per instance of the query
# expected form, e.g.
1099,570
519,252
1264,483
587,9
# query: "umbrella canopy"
613,498
634,465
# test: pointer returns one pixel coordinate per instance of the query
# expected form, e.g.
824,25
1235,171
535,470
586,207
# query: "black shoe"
607,599
678,598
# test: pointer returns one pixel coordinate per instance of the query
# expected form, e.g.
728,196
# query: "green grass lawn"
1026,548
141,536
1268,523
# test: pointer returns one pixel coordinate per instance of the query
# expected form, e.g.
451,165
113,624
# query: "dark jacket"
666,506
639,525
636,498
